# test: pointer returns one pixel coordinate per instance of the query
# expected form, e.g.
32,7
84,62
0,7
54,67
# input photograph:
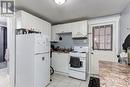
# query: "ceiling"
72,9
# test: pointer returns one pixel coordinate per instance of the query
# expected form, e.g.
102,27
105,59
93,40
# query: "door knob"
43,58
92,53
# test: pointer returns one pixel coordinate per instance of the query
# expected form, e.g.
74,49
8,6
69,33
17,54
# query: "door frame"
104,20
11,25
3,30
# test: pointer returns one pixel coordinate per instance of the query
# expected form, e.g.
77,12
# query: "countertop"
114,74
60,52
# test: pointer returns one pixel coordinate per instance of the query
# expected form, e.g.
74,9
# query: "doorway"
103,42
3,46
4,63
7,52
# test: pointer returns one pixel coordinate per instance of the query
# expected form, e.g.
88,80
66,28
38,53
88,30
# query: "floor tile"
65,81
84,84
4,78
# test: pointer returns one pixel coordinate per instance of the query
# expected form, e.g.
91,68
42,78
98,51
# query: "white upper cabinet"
62,28
27,21
46,29
66,28
54,33
79,29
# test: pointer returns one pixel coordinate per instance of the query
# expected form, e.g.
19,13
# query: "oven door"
82,68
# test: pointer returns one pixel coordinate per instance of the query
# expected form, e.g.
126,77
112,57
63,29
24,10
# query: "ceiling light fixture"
60,2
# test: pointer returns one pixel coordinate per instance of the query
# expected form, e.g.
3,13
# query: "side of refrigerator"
24,60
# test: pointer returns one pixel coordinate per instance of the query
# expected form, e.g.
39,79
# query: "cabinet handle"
43,58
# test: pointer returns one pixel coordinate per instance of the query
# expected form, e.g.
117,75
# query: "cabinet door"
42,70
28,21
79,29
54,34
60,62
18,20
59,28
38,24
62,28
46,30
84,28
67,28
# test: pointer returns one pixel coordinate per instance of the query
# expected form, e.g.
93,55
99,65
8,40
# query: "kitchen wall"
68,42
3,24
80,42
125,24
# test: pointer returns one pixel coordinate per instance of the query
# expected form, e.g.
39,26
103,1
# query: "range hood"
79,38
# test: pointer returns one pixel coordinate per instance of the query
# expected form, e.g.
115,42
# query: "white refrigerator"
32,60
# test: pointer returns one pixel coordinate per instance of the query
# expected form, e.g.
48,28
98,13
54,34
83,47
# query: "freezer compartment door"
42,44
42,70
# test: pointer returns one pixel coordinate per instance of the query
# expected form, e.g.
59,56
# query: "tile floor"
57,80
65,81
4,78
3,65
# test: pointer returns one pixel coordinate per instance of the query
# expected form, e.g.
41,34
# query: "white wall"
68,42
3,23
125,24
11,46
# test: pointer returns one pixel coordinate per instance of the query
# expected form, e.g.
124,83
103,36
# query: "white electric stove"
80,52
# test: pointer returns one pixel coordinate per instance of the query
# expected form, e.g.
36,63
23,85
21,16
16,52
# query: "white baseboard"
61,73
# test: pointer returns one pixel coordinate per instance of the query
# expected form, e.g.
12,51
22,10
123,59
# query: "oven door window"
75,62
77,68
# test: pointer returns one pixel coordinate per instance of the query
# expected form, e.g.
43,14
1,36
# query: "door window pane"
96,33
108,39
102,30
102,37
